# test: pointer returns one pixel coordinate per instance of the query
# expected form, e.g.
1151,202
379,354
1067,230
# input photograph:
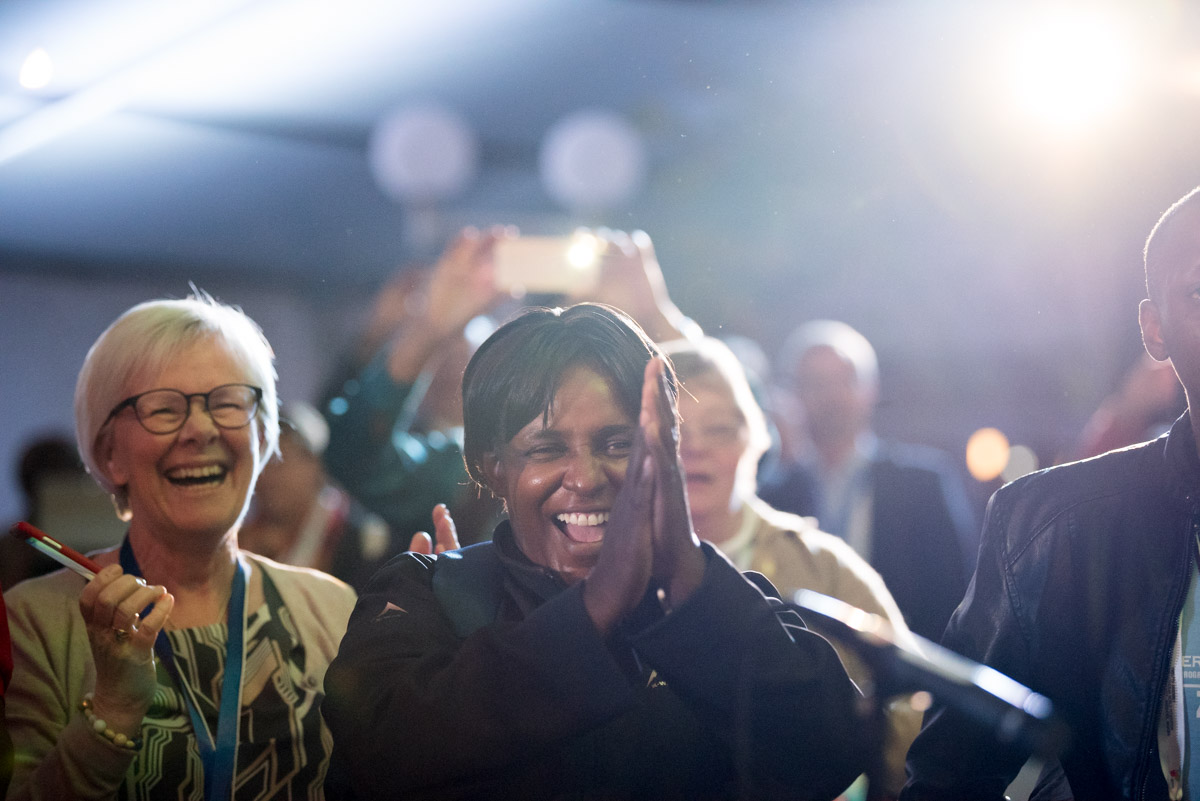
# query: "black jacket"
1082,576
923,531
718,699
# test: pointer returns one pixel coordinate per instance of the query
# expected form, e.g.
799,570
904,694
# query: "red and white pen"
56,550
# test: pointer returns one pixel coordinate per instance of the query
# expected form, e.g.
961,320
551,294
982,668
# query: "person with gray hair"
903,508
185,668
723,434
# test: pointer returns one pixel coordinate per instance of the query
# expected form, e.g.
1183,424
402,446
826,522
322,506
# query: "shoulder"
51,591
305,582
1129,470
797,538
821,561
1130,480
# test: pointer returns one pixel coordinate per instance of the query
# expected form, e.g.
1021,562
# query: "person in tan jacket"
723,435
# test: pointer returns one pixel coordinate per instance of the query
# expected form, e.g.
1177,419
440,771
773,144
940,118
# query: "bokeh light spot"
987,454
1021,460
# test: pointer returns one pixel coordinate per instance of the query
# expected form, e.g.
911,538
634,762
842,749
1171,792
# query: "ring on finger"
121,634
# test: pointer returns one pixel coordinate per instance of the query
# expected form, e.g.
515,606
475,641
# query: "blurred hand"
460,288
632,281
395,302
125,677
445,534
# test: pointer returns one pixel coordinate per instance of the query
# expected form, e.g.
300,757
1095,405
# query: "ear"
1150,319
495,473
109,460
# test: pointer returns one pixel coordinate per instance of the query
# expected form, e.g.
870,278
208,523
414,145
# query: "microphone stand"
1016,715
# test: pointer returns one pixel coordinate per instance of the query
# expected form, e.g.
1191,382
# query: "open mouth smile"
197,476
582,526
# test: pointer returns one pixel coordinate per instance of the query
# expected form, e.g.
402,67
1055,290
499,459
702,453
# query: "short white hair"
142,341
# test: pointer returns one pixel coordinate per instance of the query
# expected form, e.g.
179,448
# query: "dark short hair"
515,373
1152,261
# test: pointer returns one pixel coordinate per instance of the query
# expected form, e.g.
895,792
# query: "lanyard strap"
219,757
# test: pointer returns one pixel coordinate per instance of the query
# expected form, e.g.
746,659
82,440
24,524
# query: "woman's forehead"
584,398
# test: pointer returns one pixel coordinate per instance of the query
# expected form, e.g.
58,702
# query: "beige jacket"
58,757
791,552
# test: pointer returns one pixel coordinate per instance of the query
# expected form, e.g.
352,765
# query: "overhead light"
37,71
593,160
1069,71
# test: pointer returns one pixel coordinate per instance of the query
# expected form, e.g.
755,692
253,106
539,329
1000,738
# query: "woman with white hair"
723,434
186,669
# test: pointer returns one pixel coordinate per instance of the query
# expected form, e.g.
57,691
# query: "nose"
690,443
585,474
199,423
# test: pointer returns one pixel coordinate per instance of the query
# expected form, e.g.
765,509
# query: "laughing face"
194,483
559,477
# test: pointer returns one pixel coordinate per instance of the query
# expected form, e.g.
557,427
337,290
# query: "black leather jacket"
1082,575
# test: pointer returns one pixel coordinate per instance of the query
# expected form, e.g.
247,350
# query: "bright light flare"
583,251
37,71
1071,70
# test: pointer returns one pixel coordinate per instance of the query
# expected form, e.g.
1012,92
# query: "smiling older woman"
186,669
593,649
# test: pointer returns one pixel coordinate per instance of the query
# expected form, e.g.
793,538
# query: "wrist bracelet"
101,727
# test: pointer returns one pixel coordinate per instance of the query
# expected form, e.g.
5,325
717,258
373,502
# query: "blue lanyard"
220,757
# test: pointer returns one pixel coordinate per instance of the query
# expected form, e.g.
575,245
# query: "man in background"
902,508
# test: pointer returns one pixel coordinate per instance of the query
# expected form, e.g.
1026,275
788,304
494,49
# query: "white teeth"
584,519
208,471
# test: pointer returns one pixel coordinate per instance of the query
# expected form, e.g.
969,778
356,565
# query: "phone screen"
566,265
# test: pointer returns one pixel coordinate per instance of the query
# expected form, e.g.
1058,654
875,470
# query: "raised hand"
460,288
622,573
445,534
678,561
123,644
632,281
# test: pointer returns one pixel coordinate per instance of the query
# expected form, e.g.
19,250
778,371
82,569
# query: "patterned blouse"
283,745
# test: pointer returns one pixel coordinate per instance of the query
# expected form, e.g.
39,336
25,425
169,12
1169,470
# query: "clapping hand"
445,534
649,533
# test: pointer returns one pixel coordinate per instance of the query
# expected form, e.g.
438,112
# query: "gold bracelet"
101,728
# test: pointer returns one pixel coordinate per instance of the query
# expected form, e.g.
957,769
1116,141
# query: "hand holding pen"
122,641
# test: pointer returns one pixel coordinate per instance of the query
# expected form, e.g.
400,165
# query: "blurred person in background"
394,445
186,668
299,518
1142,407
723,434
902,508
60,499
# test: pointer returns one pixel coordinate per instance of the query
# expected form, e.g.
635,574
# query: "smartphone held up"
552,265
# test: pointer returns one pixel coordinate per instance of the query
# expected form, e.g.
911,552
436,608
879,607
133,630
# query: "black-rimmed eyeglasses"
164,411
